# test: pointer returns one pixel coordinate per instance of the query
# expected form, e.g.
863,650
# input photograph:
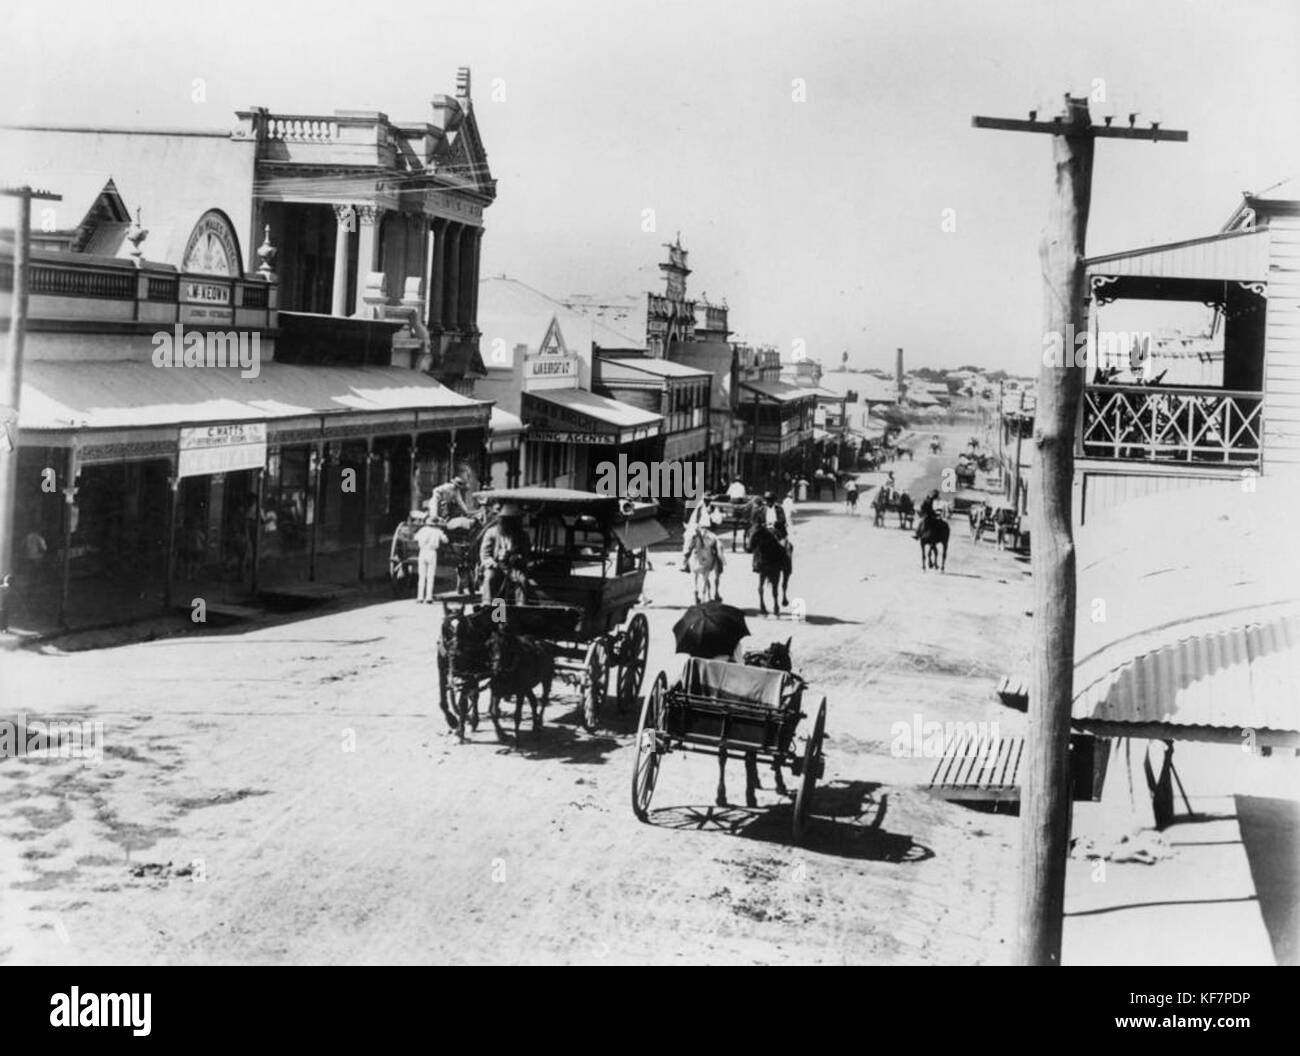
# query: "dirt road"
290,793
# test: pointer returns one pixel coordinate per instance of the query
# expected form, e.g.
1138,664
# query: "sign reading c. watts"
208,449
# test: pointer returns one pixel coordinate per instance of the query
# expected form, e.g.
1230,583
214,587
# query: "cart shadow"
847,822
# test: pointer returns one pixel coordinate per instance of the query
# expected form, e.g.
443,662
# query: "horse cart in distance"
585,573
731,711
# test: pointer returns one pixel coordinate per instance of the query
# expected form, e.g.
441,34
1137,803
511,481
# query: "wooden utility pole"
12,391
1020,434
1002,465
1045,784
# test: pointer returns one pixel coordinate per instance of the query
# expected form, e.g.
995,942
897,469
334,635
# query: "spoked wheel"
648,747
595,672
812,763
631,670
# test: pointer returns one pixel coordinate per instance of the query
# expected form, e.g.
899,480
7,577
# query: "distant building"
543,366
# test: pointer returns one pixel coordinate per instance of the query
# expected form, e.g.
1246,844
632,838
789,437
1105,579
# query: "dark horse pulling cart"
730,711
584,575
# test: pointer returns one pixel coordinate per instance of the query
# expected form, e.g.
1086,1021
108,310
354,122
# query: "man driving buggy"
503,555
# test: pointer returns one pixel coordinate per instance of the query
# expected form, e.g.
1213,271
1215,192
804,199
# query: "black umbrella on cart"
711,629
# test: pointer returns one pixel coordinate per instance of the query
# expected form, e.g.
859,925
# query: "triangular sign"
553,342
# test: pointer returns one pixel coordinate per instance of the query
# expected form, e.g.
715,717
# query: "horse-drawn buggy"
888,499
565,570
731,711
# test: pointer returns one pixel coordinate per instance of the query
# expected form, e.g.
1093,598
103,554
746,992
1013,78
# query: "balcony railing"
1153,423
68,286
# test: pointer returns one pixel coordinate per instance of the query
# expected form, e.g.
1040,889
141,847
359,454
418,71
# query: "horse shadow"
846,821
554,741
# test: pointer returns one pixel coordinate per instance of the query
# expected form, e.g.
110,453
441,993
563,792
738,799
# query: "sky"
817,158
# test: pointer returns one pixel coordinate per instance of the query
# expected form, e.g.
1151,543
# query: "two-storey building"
1141,427
179,431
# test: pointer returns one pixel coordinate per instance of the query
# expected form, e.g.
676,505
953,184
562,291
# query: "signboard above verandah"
207,449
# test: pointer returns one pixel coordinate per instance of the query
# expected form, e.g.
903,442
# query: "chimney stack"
898,374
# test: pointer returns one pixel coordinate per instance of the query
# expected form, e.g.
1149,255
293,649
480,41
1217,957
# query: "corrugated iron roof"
776,390
602,408
1189,609
116,395
1240,256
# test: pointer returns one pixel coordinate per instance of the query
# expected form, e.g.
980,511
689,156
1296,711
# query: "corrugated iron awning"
1231,256
1189,610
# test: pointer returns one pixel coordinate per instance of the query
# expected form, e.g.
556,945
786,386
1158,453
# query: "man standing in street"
736,491
428,539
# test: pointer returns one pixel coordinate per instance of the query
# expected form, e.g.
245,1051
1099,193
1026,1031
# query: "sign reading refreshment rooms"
208,449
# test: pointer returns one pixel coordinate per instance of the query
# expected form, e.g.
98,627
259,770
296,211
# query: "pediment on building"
464,157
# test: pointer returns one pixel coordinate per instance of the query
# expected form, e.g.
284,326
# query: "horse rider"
771,515
705,515
926,510
504,550
450,500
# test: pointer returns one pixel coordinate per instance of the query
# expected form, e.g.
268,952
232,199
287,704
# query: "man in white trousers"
428,539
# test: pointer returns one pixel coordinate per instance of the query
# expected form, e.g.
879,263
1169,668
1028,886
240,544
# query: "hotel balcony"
76,292
1189,426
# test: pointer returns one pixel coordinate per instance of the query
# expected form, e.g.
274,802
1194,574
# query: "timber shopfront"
299,474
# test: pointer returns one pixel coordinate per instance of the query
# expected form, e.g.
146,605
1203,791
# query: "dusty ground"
289,793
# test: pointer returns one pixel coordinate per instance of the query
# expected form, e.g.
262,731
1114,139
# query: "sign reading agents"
206,449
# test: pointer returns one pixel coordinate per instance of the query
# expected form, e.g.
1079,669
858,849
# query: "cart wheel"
631,670
812,758
595,672
648,747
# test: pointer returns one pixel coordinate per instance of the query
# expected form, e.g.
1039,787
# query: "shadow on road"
847,822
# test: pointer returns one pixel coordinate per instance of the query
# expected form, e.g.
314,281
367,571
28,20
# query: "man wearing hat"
448,500
705,515
428,538
770,513
503,553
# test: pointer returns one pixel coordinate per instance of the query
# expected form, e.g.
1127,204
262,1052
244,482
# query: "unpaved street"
290,793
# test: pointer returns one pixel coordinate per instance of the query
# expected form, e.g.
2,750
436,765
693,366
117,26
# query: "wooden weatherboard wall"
1282,347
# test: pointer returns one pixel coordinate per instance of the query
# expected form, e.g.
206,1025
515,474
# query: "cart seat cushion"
738,683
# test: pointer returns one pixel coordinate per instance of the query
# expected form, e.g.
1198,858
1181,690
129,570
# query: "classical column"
478,268
367,247
345,221
464,301
468,277
451,278
433,275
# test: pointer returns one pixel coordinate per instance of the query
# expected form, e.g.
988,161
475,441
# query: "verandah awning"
1189,614
578,416
75,397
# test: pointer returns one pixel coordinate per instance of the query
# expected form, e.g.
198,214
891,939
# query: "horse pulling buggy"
734,711
583,575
